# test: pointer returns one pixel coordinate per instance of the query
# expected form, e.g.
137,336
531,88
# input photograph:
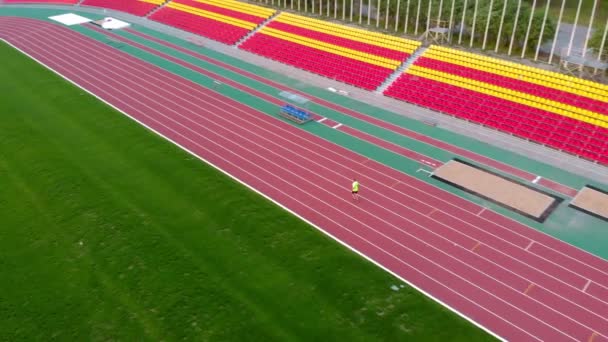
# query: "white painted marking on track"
536,179
587,285
481,211
321,120
529,245
284,207
336,126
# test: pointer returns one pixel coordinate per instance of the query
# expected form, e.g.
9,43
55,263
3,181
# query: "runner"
355,189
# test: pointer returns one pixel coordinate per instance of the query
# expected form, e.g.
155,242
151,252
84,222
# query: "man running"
355,190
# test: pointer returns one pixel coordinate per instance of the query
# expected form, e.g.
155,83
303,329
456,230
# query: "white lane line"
529,245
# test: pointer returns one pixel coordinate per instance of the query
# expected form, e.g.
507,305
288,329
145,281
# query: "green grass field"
111,233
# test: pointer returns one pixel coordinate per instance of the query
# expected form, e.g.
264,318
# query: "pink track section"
483,265
560,188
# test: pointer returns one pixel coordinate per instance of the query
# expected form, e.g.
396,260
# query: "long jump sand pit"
592,201
509,193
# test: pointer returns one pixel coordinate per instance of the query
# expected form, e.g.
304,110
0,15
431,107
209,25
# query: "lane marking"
476,246
322,119
395,184
536,179
432,211
529,245
587,285
336,126
530,287
481,211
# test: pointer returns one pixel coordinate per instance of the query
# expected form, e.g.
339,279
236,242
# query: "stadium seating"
295,114
136,7
354,56
565,113
225,21
68,2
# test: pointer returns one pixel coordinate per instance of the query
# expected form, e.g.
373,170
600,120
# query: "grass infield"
111,233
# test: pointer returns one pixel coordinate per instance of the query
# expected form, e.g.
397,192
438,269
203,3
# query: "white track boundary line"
541,272
530,266
419,239
278,86
337,126
265,196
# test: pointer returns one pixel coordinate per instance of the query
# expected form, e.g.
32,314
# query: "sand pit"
509,193
592,201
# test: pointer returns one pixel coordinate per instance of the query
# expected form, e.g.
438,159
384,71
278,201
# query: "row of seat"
222,32
470,71
531,74
367,48
514,96
135,7
226,10
351,33
298,114
563,133
351,71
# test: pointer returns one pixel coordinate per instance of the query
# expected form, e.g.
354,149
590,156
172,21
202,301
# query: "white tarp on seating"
113,24
70,19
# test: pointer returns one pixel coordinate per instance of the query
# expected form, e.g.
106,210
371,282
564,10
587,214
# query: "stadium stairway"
406,64
254,31
157,8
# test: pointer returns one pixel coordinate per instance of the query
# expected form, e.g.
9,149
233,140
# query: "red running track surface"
548,183
483,265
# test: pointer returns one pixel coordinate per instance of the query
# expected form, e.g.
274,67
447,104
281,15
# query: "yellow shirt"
355,186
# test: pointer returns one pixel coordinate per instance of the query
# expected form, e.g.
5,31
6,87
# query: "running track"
547,183
518,283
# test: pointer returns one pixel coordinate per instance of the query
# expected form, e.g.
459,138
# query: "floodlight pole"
514,27
542,30
589,28
523,50
559,22
485,35
578,12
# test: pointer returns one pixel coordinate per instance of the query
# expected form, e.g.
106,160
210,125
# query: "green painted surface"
565,223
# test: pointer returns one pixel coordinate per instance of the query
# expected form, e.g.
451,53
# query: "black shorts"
355,192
